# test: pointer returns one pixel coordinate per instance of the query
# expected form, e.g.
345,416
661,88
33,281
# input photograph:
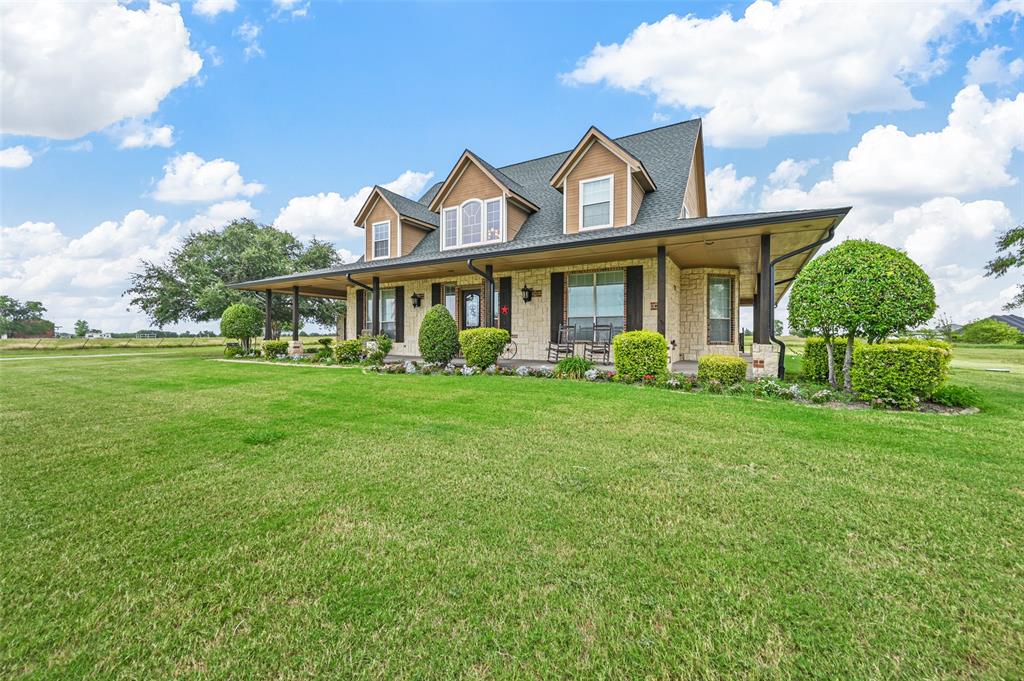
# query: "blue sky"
302,100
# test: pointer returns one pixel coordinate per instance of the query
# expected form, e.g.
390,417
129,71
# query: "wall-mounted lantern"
417,299
527,293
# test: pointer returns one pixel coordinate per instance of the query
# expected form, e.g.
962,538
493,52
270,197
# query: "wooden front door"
469,300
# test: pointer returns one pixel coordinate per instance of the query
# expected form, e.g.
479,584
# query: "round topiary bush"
482,347
639,355
241,321
439,337
725,369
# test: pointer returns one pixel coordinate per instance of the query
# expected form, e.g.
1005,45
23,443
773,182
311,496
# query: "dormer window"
596,196
381,240
473,223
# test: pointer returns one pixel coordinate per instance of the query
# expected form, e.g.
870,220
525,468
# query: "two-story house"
612,231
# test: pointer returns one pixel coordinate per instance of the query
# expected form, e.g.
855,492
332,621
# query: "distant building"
1013,320
97,334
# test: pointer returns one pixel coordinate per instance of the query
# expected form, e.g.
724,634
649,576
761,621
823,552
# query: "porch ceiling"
737,248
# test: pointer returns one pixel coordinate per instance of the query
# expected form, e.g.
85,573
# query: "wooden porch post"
662,281
375,306
295,313
268,326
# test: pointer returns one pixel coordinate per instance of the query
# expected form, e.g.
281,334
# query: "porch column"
268,326
375,307
764,309
662,278
295,347
488,296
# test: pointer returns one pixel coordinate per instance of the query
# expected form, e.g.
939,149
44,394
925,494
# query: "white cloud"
939,229
659,117
249,33
189,178
791,67
15,157
135,134
329,215
989,67
295,8
347,256
790,171
220,214
726,191
211,8
84,145
71,68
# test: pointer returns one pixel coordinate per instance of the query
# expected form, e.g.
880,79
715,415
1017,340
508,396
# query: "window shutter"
435,294
399,314
360,311
505,303
634,298
557,302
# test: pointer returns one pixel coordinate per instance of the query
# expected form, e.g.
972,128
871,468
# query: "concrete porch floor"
681,367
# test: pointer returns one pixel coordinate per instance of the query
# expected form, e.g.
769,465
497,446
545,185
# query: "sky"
124,126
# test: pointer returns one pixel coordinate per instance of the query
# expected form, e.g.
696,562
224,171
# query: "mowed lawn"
168,515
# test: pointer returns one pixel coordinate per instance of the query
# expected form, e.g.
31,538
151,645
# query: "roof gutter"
771,322
473,268
358,283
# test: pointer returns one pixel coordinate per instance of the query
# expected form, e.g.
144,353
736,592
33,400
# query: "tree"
241,321
989,331
778,327
81,328
1011,241
18,317
193,284
862,288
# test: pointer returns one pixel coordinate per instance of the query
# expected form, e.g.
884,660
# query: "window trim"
374,240
732,311
459,242
368,310
611,201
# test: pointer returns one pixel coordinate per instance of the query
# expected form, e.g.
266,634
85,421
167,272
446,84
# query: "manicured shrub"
241,321
722,368
348,351
947,348
375,348
990,331
573,367
273,348
233,351
439,336
952,395
897,375
639,354
482,347
815,366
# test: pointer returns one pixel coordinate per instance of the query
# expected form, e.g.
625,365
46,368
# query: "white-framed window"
720,310
597,298
387,311
451,227
449,299
597,202
473,223
382,239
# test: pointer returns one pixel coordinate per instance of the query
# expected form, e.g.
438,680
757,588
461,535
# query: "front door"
470,301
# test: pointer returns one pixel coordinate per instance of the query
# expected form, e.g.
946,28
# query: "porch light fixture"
417,299
527,293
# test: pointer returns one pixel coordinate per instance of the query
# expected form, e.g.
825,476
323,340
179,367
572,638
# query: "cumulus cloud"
71,68
134,134
189,178
15,157
211,8
330,215
220,214
726,191
989,67
791,67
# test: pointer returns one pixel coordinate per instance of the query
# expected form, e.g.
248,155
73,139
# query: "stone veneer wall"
531,327
693,313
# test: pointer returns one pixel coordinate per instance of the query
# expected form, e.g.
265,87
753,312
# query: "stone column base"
765,360
295,348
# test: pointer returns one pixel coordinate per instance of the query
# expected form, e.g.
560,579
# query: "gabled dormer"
602,184
478,204
394,225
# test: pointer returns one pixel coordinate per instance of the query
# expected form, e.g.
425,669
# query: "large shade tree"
192,285
860,288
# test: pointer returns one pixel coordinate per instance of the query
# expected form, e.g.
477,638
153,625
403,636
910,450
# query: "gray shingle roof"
1011,319
408,207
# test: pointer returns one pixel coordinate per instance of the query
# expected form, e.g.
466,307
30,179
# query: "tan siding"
472,184
411,237
516,217
638,197
596,161
381,211
695,197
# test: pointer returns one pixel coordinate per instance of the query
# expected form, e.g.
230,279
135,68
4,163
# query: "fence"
137,343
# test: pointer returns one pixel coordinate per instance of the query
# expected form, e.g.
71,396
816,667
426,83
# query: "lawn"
164,514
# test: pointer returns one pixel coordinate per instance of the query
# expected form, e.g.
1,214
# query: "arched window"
472,222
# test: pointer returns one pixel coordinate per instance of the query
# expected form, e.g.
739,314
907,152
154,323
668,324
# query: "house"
611,231
1013,320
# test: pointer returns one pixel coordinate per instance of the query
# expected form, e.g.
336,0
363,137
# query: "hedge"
947,348
898,375
482,347
815,366
725,369
639,354
348,351
273,348
439,336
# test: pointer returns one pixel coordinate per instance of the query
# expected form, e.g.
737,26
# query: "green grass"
168,515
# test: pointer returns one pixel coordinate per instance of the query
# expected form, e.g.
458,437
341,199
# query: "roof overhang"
595,136
735,245
456,173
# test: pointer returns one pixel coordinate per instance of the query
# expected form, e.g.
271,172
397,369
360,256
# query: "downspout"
771,300
365,288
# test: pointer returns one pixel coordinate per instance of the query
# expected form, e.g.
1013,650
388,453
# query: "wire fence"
136,343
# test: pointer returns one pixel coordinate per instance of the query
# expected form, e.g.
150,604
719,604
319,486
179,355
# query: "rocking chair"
600,348
565,346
